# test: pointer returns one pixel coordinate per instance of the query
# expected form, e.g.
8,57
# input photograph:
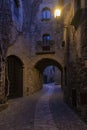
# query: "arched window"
46,38
17,13
16,8
46,14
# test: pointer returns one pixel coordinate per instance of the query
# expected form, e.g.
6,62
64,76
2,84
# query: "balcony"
45,48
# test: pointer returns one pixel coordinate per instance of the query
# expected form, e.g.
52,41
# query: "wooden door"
15,75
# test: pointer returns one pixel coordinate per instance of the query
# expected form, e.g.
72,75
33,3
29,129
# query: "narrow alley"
44,110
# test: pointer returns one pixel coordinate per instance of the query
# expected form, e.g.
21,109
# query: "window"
46,38
16,8
46,13
17,13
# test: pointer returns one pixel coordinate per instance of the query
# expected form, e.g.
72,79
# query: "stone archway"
45,62
15,75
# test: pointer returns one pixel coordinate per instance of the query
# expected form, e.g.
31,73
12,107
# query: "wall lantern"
59,22
57,13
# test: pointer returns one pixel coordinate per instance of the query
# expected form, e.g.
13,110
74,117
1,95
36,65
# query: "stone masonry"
26,44
76,91
5,18
25,37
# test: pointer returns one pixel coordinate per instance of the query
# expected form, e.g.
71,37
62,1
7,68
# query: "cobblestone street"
44,110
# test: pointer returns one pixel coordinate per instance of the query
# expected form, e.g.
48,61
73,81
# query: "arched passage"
15,76
45,62
52,74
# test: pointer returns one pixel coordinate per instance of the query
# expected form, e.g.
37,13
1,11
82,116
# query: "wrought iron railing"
47,47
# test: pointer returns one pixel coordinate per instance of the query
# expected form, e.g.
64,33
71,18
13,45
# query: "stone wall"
24,46
76,70
5,19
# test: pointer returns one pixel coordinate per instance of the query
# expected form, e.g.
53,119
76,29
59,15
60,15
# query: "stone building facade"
34,40
75,57
37,45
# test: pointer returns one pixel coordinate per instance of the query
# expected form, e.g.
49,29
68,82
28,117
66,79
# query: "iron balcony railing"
45,48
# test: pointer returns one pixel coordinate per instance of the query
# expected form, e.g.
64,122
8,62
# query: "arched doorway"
15,75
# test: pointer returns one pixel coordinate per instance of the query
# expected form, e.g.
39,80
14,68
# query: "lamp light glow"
57,13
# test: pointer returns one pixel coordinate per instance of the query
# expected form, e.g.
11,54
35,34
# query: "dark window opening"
16,8
46,13
46,39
